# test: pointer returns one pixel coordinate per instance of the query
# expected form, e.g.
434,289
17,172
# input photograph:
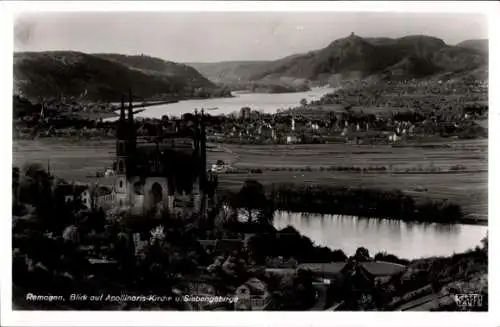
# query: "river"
404,239
264,102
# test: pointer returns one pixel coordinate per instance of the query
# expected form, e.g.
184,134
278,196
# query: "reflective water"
404,239
268,103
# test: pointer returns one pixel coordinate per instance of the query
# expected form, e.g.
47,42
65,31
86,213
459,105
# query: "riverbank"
397,237
363,202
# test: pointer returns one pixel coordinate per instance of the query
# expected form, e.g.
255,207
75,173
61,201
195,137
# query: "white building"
291,139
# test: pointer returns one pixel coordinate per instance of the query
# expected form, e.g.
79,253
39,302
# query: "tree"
303,102
362,254
484,243
339,255
251,197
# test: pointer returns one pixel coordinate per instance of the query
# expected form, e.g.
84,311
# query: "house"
252,295
292,139
245,112
201,285
394,137
69,192
326,270
355,138
279,262
367,271
265,131
98,197
280,271
382,268
345,131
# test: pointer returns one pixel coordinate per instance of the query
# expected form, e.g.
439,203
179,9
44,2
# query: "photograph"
249,161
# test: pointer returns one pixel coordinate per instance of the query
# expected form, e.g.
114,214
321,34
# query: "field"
409,168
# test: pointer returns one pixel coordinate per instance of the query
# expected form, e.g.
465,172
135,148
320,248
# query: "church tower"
132,138
203,153
195,194
125,140
125,146
121,142
203,166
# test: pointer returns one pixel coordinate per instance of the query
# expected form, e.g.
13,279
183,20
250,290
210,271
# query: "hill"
480,45
228,71
354,57
160,68
414,56
104,77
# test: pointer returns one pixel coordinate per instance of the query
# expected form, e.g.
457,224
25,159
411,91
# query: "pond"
407,240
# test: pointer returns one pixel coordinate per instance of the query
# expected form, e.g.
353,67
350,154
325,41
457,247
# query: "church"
157,174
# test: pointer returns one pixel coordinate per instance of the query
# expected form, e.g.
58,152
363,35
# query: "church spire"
121,131
122,109
130,108
132,136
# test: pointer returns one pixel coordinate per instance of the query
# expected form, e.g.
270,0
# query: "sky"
212,36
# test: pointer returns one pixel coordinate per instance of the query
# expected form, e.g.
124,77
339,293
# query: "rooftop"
375,268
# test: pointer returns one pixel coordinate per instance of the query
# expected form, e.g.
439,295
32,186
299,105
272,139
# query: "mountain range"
416,56
106,76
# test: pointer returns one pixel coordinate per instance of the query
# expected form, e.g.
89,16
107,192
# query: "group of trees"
292,293
360,202
289,243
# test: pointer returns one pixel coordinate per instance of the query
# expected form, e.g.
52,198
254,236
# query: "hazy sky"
191,37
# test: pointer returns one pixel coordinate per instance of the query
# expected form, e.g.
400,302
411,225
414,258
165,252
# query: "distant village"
358,114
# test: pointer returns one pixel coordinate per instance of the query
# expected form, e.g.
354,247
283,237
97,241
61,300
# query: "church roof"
108,181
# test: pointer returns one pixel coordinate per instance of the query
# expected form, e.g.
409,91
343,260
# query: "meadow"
424,171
